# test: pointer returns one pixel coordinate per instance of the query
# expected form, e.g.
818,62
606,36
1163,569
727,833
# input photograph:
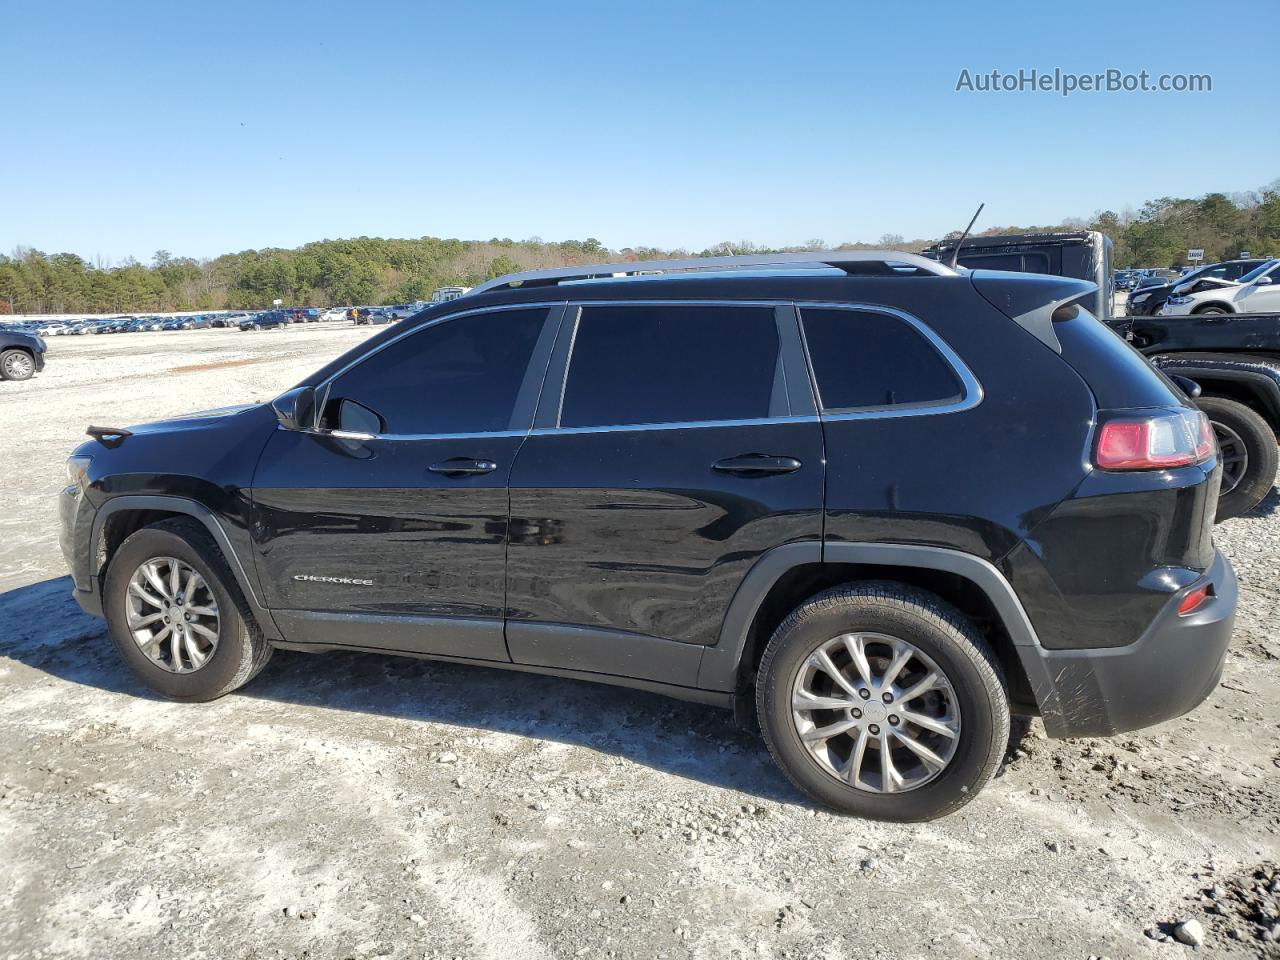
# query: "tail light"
1194,600
1167,439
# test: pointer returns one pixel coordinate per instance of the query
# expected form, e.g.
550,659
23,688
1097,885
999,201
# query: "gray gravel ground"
357,806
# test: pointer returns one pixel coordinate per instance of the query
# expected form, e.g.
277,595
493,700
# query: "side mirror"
1186,385
296,408
1263,281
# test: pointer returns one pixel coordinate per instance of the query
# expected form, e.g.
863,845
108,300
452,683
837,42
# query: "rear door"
676,442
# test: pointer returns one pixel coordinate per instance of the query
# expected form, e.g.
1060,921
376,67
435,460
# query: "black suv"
877,502
21,355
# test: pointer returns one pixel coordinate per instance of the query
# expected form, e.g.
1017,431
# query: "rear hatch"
1139,525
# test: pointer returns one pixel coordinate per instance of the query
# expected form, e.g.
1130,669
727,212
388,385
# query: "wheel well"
802,582
1240,391
1206,306
122,524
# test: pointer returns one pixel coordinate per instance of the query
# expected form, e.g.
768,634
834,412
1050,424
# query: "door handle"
463,467
757,465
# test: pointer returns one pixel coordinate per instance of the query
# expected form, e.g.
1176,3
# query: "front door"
676,445
386,527
1261,297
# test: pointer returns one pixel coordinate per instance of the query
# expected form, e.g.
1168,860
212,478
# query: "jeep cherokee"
877,502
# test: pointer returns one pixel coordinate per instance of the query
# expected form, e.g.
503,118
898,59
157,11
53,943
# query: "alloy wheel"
875,712
1234,456
18,366
172,614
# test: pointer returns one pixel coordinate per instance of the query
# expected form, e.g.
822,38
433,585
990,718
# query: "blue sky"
206,128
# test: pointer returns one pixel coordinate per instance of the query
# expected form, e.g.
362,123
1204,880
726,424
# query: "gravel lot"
356,806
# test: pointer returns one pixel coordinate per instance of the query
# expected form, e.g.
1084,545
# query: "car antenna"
955,254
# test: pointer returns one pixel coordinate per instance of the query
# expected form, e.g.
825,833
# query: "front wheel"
176,614
1210,312
1247,449
882,700
17,365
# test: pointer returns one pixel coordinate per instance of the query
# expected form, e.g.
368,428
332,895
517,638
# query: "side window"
866,359
642,364
458,376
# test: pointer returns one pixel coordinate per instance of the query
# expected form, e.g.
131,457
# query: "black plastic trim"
676,691
596,650
475,639
720,664
192,509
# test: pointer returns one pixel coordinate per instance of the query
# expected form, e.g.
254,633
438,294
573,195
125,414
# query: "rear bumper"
1166,672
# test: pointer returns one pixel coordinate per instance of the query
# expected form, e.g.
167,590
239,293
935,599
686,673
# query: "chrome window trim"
972,392
682,425
972,396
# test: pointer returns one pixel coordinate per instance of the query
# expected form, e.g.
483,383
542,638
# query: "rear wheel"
176,615
17,365
1247,448
882,700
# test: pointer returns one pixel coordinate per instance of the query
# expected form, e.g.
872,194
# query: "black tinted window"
459,376
865,359
669,364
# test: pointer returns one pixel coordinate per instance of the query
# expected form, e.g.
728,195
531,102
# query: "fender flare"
1263,377
719,667
720,663
197,511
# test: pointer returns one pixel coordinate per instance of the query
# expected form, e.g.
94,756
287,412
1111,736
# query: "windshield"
1256,272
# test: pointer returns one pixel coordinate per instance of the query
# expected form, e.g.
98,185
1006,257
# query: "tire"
240,652
977,699
1241,432
1211,311
17,365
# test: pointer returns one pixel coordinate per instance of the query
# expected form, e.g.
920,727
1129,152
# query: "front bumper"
76,515
1166,672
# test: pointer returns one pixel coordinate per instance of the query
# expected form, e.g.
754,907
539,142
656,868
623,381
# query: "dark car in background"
732,481
1147,300
21,355
267,320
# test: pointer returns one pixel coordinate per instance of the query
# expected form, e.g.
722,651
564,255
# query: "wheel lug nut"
887,697
893,719
857,714
864,693
874,729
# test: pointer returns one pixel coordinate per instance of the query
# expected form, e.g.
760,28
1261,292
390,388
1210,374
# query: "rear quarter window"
1118,375
864,359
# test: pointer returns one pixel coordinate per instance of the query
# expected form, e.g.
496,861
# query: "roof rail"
847,260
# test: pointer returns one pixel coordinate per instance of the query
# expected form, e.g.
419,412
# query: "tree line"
370,270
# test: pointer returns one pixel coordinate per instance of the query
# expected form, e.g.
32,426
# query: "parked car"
1126,279
738,487
402,311
1257,291
21,355
266,320
1148,301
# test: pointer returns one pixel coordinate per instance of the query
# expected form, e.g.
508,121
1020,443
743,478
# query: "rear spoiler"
109,437
1032,300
